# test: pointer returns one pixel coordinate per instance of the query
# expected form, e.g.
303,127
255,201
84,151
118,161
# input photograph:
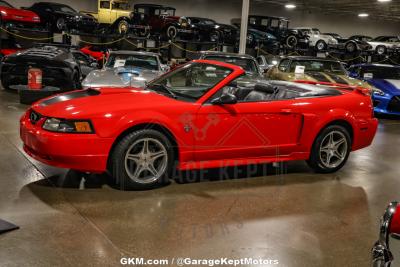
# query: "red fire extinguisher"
35,79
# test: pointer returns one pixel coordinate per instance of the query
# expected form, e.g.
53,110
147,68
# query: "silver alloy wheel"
333,149
146,160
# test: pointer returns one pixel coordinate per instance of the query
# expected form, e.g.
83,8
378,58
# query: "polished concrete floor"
290,214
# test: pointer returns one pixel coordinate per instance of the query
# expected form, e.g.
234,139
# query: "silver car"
126,69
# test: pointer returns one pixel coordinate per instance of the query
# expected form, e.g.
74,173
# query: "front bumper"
387,104
82,152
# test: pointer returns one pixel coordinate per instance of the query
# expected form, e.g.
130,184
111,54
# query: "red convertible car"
204,114
15,17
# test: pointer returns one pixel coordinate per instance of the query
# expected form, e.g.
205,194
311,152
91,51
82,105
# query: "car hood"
389,86
327,77
119,77
94,103
19,12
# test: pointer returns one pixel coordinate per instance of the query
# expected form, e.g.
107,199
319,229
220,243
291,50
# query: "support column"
243,26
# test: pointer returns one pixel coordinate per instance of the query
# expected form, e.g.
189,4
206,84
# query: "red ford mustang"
204,114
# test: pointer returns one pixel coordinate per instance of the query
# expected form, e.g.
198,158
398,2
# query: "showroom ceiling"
379,10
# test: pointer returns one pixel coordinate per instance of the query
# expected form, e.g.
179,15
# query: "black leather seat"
261,92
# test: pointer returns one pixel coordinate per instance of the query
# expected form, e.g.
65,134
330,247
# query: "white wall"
224,10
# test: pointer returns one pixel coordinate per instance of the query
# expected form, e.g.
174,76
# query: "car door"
104,15
247,130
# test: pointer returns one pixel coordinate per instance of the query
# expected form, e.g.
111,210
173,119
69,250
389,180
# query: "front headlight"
377,91
67,126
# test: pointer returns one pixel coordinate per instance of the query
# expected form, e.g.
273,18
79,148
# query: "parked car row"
270,33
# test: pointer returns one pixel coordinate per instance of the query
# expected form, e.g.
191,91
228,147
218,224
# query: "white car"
382,44
319,41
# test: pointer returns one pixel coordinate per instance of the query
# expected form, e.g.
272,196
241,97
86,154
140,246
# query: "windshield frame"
210,91
216,57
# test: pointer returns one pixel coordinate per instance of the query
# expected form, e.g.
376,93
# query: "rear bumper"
83,152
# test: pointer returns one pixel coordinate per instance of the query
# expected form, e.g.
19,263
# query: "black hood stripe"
337,79
69,96
318,76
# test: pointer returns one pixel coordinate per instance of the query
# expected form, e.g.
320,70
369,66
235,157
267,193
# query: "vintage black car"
351,45
209,30
279,27
60,17
59,66
163,21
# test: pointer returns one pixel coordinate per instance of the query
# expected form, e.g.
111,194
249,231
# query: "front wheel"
351,47
321,45
381,50
123,27
142,160
60,24
330,150
172,32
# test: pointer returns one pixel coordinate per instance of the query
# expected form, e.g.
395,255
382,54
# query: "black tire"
171,32
123,27
351,47
380,50
215,36
317,162
321,45
291,41
76,83
250,40
118,161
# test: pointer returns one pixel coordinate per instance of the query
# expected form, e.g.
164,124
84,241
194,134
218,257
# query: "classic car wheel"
321,45
60,24
351,47
172,32
331,149
250,39
142,160
291,41
381,50
123,27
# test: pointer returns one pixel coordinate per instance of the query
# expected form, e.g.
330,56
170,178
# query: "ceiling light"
290,6
383,1
363,15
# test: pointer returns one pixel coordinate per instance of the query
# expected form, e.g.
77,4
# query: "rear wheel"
291,41
142,160
331,149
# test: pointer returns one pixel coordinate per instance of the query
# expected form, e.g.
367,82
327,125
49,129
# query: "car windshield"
166,12
137,61
315,31
63,8
5,4
318,66
247,64
189,82
380,72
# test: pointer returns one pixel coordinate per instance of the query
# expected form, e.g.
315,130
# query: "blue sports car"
386,82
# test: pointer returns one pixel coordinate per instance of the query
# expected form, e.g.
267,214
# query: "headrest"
265,87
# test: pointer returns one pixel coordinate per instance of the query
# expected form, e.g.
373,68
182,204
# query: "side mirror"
225,99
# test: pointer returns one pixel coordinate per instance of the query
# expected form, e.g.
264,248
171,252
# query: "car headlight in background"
67,126
377,91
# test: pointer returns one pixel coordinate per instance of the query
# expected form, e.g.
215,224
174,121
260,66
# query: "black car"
351,45
279,27
61,17
59,67
209,30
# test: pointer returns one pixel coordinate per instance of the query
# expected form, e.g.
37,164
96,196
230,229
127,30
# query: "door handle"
286,111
